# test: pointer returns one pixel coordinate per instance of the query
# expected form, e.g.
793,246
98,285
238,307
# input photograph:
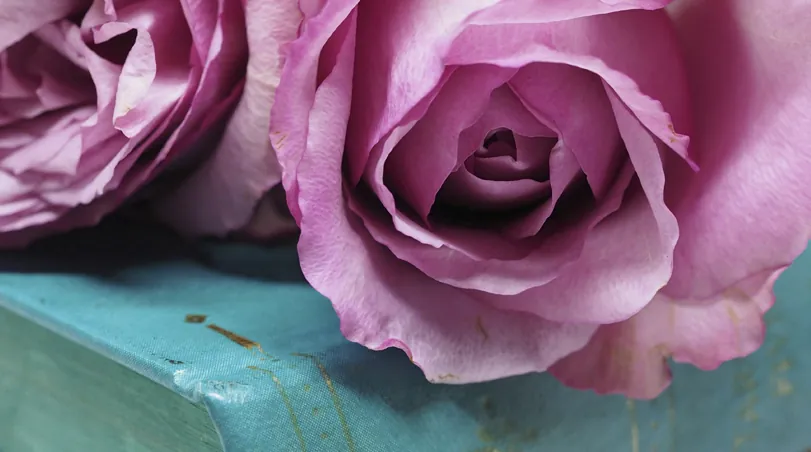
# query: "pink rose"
98,97
587,187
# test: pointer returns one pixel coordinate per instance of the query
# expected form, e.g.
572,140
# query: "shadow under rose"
121,242
520,413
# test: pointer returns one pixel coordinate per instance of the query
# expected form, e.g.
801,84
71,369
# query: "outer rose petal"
748,64
213,201
630,357
295,92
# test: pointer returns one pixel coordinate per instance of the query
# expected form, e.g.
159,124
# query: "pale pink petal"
155,74
270,220
748,209
630,357
212,200
19,18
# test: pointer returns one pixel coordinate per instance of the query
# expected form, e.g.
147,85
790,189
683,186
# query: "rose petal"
296,94
46,150
635,52
21,17
544,11
505,267
421,162
531,161
400,46
467,190
155,74
748,66
564,170
621,267
574,102
630,357
212,201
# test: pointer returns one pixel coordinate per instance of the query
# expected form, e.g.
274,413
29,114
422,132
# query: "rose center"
507,172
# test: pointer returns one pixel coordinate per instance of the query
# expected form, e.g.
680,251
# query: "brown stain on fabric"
336,401
236,338
631,405
783,387
500,431
287,403
671,418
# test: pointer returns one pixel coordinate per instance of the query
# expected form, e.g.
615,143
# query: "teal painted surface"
57,396
306,388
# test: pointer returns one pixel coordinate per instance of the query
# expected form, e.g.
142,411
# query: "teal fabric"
276,375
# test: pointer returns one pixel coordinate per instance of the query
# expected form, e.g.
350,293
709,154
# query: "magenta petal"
747,210
421,162
630,357
528,165
383,302
400,47
622,265
574,101
505,267
465,189
564,170
635,52
295,95
627,257
544,11
504,110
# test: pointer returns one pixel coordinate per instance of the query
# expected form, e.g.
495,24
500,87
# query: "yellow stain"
783,387
783,366
634,425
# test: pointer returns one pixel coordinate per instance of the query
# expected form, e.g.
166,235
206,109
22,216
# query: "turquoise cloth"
271,366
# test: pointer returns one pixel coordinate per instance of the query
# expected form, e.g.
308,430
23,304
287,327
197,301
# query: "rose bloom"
98,97
586,187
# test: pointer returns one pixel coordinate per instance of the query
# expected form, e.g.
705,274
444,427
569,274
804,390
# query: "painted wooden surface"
264,356
56,396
